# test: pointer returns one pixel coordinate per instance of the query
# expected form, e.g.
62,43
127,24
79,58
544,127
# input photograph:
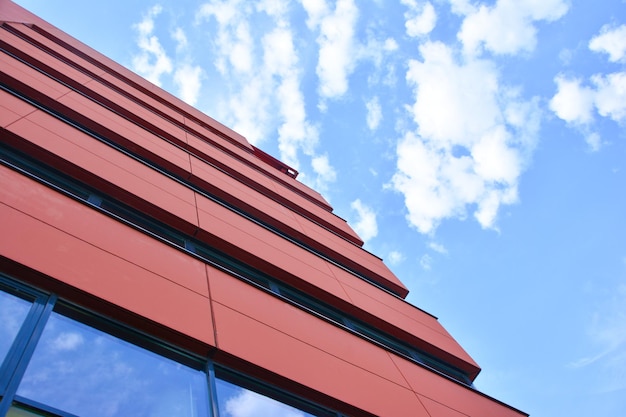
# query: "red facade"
192,236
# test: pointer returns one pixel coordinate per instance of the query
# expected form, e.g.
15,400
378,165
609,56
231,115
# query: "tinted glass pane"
13,311
89,373
20,412
235,401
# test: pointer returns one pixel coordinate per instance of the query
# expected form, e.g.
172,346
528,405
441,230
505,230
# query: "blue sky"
477,146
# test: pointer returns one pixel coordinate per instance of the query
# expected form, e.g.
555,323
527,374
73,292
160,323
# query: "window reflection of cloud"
13,311
251,404
86,372
67,341
235,401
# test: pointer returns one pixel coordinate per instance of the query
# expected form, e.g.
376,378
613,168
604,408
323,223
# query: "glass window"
21,412
236,401
86,372
13,311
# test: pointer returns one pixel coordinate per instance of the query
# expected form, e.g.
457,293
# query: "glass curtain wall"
55,364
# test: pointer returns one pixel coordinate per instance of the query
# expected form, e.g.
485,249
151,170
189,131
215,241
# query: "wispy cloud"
337,47
607,333
250,404
577,101
365,224
395,257
152,62
438,247
374,113
426,262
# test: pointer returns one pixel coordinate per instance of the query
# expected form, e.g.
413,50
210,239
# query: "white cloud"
251,404
572,102
607,334
188,80
605,93
324,171
152,62
374,113
395,257
261,67
337,48
426,262
473,140
612,41
420,18
181,39
67,341
365,225
610,97
507,27
438,247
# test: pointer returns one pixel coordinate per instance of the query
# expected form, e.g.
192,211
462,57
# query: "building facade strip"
388,279
458,398
136,107
236,267
74,262
78,155
155,377
234,166
248,311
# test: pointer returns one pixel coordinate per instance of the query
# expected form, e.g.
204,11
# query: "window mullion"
24,347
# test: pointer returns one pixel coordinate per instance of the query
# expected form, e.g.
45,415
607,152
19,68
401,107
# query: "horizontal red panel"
242,196
12,108
204,123
81,265
354,257
31,77
301,325
262,249
411,320
458,397
34,36
436,409
137,110
34,53
109,164
128,133
246,338
269,185
97,229
277,215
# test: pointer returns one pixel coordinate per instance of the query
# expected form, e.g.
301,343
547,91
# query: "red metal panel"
261,248
80,149
31,77
135,137
354,256
246,172
412,321
436,409
12,109
301,325
86,224
138,110
33,35
458,397
36,53
242,196
75,262
269,348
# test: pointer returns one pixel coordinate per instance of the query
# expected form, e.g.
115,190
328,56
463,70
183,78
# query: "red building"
154,263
